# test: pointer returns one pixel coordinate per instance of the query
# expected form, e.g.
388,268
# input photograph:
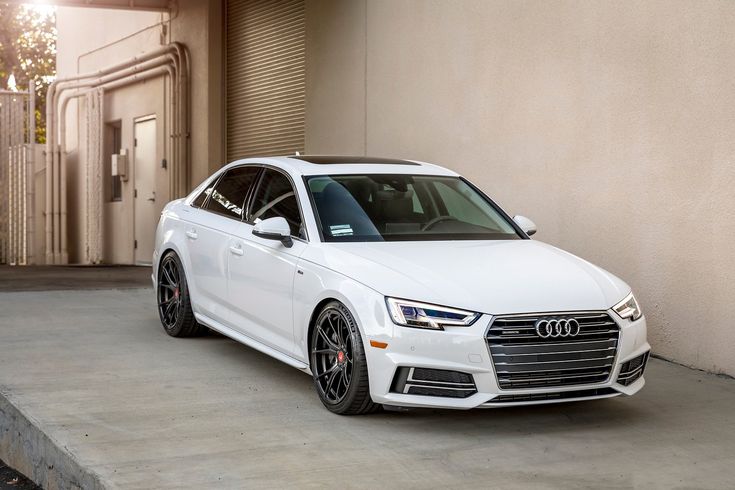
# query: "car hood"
495,277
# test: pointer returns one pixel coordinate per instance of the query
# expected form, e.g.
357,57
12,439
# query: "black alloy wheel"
174,305
338,362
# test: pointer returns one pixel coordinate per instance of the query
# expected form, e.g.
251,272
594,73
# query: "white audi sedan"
394,283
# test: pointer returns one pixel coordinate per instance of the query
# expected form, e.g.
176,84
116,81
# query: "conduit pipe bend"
130,75
172,59
53,254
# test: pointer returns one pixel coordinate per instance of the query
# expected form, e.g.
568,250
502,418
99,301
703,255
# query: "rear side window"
228,196
275,196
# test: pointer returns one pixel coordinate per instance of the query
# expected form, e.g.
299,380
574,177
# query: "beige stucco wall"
610,124
91,39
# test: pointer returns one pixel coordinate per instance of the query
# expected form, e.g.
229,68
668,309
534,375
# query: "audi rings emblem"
557,327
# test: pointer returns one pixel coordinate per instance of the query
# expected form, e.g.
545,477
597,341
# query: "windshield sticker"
340,230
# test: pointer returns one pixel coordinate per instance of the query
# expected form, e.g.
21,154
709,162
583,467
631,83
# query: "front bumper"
464,349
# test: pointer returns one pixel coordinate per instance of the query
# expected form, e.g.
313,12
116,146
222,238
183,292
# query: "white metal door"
145,189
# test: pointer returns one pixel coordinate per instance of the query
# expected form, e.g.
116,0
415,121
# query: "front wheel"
338,363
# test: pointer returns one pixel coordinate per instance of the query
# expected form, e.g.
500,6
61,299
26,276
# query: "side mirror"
526,224
274,229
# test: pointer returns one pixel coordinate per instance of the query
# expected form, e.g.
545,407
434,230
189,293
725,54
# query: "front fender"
314,284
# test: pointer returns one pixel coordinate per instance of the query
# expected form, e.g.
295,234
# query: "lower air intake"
433,382
632,370
562,395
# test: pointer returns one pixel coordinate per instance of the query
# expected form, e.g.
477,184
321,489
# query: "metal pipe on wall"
173,54
111,85
60,217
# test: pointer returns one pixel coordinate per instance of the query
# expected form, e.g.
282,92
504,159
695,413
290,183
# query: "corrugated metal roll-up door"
265,77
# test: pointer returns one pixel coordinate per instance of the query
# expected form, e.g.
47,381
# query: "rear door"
262,271
208,236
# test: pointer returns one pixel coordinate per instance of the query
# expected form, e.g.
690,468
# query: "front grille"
523,359
559,395
433,382
632,370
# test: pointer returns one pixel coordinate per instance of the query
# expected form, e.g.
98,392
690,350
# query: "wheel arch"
319,285
172,246
312,323
159,259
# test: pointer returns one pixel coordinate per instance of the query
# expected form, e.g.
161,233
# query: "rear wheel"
338,363
174,304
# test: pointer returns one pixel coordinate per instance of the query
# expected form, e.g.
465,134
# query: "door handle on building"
237,250
192,234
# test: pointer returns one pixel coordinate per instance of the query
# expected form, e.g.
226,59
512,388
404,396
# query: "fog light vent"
632,370
433,382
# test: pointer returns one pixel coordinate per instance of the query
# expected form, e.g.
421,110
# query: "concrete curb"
25,446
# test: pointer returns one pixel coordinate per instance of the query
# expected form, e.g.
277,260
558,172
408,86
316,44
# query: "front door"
262,271
145,217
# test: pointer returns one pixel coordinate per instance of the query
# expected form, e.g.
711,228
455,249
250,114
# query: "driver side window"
275,196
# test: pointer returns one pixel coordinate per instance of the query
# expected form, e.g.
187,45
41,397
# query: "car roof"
333,165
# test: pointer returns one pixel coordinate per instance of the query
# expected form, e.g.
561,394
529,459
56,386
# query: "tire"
174,302
338,364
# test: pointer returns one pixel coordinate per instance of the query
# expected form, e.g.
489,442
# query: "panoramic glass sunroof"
346,160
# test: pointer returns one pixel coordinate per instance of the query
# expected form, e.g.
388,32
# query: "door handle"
237,250
192,234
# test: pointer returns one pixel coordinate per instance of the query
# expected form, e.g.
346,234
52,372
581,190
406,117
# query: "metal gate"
17,128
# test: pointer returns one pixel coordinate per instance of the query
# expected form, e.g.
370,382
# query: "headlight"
628,308
423,315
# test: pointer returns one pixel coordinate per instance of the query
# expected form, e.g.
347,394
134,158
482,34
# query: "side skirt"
250,342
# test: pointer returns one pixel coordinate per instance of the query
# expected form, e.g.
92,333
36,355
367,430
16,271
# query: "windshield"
377,207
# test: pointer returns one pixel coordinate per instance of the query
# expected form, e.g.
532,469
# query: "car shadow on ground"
539,419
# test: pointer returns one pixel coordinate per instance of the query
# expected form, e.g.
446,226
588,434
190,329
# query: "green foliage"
28,52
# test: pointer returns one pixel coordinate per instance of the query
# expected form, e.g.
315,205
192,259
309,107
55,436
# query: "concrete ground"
138,409
45,278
